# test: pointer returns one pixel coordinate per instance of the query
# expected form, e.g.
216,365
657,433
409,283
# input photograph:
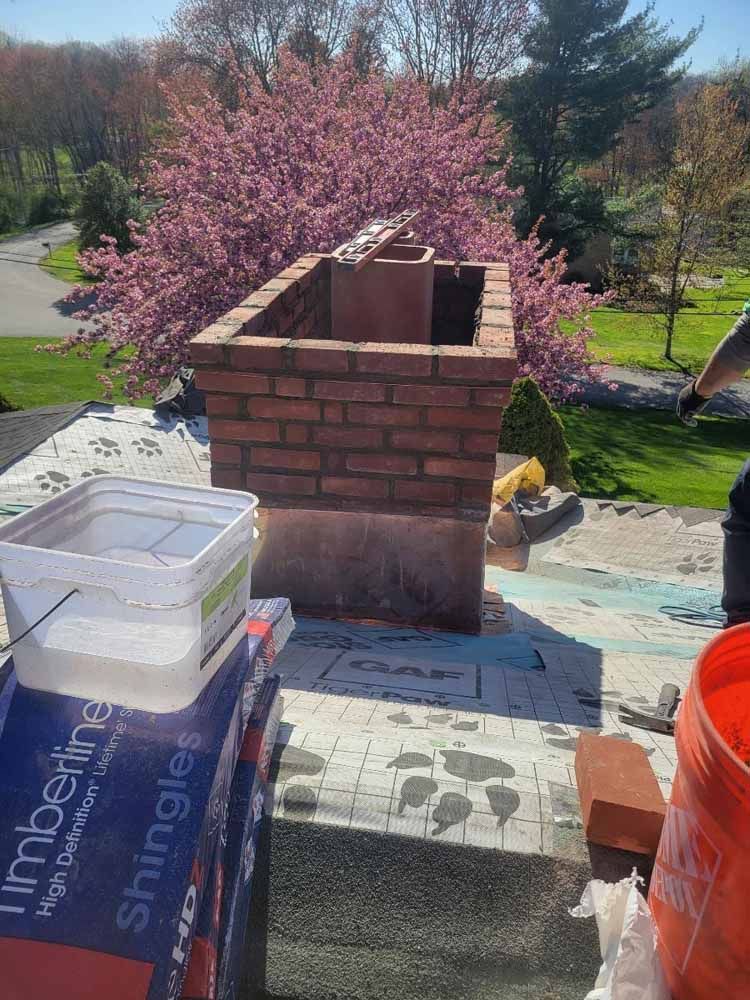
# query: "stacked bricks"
296,303
304,421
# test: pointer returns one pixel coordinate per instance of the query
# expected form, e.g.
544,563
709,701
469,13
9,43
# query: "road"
30,299
641,389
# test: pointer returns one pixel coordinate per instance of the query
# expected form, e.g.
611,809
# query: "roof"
612,602
47,450
22,430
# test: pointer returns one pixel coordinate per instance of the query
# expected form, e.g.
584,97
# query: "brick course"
305,421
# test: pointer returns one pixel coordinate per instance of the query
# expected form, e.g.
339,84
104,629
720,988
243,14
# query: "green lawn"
647,455
634,339
62,264
31,379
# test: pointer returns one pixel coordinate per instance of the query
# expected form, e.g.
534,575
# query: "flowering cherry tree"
245,192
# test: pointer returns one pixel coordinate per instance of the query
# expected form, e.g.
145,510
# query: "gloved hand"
689,404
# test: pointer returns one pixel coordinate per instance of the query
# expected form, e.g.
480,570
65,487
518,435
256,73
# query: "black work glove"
689,404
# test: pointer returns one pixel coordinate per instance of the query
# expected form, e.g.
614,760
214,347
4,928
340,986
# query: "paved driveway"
30,299
639,389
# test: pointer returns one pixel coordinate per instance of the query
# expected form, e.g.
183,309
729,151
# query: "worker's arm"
728,363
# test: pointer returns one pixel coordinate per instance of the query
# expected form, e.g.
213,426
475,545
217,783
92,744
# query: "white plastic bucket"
162,579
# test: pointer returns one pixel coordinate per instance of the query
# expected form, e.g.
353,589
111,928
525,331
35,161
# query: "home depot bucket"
701,881
152,581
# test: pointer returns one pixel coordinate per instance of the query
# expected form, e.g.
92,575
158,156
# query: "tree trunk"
673,296
670,334
53,171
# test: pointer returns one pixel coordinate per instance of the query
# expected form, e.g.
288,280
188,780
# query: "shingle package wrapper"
248,797
217,959
111,819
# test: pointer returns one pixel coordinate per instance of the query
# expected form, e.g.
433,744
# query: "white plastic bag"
627,940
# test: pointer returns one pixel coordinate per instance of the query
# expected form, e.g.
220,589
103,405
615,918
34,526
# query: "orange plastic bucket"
700,887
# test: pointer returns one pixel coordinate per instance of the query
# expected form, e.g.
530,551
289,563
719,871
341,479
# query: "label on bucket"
222,610
684,873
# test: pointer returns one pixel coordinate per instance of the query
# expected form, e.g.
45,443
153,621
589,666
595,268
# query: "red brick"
312,274
313,261
621,802
425,492
335,463
477,493
263,482
360,392
496,300
483,444
458,468
370,489
297,433
431,395
229,454
394,359
496,338
222,406
497,316
398,416
281,458
247,320
283,323
348,437
283,409
264,298
208,346
321,355
492,397
288,288
401,465
251,353
303,329
243,430
206,354
477,363
495,285
442,510
302,275
226,381
290,387
425,440
227,479
293,272
333,413
482,418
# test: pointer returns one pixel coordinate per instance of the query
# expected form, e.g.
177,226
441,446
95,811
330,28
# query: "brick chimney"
373,462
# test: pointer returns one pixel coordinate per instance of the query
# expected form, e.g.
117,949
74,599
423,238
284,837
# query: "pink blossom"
245,192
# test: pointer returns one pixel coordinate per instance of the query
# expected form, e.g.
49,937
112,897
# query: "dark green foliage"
8,210
5,404
576,212
531,427
589,70
107,203
46,206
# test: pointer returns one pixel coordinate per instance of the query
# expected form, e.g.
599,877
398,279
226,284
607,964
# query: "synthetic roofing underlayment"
439,735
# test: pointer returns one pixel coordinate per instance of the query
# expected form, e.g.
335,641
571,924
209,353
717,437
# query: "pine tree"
589,71
531,427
